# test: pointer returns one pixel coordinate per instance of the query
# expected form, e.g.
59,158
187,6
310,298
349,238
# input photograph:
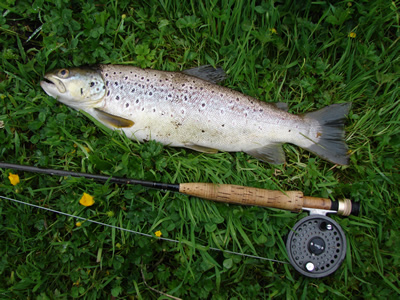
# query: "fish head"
76,87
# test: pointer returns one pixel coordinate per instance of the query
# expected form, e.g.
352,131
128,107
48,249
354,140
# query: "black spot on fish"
126,77
183,84
203,104
261,110
289,130
202,130
127,105
154,110
116,83
122,87
108,93
133,90
201,89
104,87
160,80
237,99
148,80
212,92
142,78
150,93
81,91
115,73
97,89
223,125
169,95
106,74
117,98
142,108
186,98
191,88
137,101
106,83
92,84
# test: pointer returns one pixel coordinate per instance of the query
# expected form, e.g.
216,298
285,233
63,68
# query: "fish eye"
63,73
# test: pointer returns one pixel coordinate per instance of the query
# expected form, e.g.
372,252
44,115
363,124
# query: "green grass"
310,62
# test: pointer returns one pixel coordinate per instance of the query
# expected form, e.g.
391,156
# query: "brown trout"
188,109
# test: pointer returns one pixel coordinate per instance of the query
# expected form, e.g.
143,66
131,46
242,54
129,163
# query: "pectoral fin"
272,153
112,120
201,148
207,73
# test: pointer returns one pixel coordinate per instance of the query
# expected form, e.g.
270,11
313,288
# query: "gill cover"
76,87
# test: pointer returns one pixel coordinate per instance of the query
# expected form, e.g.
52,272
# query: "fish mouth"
51,84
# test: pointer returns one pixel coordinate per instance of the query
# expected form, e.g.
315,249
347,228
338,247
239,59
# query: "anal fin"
112,120
271,153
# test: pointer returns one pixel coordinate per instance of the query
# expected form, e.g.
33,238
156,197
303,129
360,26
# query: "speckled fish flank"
187,109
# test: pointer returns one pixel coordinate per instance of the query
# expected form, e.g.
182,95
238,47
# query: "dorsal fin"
207,73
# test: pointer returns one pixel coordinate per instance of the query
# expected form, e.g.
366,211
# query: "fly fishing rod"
316,245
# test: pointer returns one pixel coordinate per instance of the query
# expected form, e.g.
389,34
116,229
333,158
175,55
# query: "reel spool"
316,246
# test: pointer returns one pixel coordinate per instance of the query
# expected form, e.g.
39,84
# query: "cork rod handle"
236,194
289,200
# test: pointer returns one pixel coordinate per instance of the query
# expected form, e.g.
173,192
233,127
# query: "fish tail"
330,143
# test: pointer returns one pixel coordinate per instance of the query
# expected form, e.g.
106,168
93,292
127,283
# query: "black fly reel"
316,246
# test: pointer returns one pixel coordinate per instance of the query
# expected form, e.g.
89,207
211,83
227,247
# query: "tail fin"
331,145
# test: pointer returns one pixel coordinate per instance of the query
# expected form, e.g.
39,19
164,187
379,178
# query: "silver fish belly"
182,110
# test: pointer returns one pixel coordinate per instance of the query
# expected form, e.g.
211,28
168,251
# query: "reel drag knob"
316,246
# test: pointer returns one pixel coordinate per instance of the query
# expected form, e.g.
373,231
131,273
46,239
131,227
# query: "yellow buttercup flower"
158,233
352,35
273,31
78,224
86,200
87,149
14,178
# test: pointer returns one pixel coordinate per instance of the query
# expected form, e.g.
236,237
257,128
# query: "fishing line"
139,233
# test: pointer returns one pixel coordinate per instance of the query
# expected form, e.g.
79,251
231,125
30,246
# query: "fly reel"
316,245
